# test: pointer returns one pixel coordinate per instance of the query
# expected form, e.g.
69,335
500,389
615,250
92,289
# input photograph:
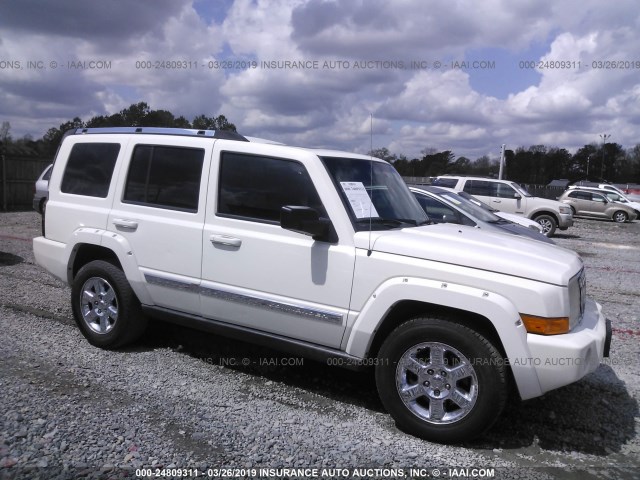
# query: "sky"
407,75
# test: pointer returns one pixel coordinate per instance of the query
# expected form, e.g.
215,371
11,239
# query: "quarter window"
165,177
89,169
256,188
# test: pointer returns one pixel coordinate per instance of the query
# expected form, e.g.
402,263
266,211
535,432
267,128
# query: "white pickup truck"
320,253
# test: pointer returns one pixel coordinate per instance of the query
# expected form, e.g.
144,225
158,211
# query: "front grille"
582,284
577,297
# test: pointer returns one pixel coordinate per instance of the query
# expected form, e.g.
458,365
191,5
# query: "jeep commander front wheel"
440,380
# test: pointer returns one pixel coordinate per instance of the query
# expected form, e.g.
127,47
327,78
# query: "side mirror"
517,196
307,221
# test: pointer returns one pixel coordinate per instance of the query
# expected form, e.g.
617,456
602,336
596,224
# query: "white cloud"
412,109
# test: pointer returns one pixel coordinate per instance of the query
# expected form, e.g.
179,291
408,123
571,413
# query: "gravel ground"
183,399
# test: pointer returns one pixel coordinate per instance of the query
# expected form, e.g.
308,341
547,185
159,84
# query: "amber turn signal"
545,326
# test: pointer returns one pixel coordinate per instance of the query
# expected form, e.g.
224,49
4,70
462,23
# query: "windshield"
470,207
520,189
615,197
374,194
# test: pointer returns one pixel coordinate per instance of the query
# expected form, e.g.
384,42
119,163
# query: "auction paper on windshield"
359,199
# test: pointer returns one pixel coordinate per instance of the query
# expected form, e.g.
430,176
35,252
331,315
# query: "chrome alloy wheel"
437,383
619,217
99,305
546,225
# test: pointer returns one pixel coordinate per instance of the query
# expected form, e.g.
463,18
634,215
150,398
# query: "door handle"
124,224
496,201
225,240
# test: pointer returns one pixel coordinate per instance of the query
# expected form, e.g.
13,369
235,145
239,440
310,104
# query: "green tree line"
136,115
537,164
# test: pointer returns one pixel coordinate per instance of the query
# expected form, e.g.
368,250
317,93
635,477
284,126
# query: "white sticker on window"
359,199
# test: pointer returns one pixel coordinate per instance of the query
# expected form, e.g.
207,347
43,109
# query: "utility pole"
604,137
501,162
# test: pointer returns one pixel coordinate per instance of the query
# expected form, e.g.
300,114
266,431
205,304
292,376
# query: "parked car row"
601,202
604,201
443,205
509,197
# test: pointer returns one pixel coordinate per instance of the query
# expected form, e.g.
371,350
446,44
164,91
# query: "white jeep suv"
320,253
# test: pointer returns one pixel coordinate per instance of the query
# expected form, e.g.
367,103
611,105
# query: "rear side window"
165,177
256,188
89,169
580,195
446,182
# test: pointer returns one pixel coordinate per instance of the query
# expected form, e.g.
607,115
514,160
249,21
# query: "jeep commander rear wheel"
104,306
440,381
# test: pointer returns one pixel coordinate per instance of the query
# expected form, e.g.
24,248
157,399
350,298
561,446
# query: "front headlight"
565,209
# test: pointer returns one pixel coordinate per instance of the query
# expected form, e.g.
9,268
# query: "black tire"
548,223
114,317
620,216
482,385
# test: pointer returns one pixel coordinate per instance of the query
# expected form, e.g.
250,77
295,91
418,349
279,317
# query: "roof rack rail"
188,132
490,177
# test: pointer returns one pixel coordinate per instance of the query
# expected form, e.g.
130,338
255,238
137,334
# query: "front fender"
496,308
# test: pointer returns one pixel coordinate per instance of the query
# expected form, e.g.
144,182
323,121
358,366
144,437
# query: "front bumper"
565,221
563,359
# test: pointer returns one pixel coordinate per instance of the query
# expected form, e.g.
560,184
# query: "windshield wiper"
500,221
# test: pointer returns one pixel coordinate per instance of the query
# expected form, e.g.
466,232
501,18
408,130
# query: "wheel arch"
404,310
550,213
110,247
490,314
84,253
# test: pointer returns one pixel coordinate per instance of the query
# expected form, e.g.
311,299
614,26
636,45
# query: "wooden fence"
17,178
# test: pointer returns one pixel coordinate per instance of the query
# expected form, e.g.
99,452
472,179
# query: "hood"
519,219
542,202
516,229
475,248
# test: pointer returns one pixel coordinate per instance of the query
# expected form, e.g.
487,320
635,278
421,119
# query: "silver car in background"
41,190
445,206
512,217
